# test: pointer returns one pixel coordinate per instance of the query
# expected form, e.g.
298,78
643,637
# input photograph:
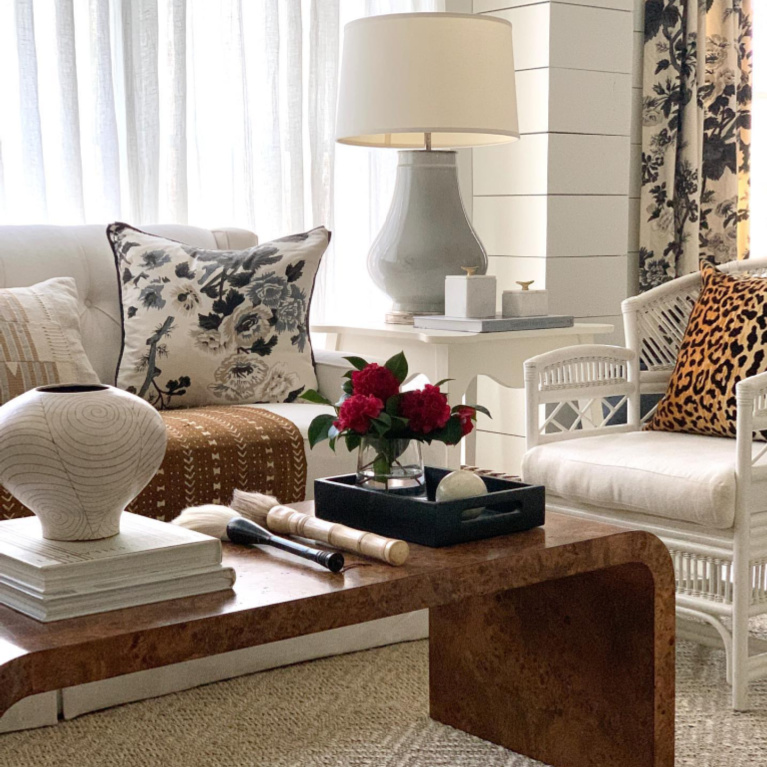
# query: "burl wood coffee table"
557,643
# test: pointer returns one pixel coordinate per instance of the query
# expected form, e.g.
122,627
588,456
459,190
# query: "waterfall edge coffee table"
557,643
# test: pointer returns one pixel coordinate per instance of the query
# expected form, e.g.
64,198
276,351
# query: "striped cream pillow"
40,339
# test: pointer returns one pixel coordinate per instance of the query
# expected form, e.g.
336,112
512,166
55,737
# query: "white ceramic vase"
78,455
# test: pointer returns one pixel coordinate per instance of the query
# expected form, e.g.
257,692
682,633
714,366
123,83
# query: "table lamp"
430,82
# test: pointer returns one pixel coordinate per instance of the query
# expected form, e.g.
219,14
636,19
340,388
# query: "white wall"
636,146
558,206
464,159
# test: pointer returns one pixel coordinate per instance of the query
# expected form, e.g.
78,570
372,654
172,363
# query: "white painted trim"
34,711
183,676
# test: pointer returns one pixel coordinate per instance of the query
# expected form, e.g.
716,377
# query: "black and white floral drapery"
696,118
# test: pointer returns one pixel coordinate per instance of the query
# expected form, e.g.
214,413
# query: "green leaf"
398,427
380,428
353,441
381,466
481,409
451,434
311,395
319,429
381,424
347,388
398,365
356,362
443,381
332,443
392,404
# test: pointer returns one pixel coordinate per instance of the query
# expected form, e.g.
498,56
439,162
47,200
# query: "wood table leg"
571,672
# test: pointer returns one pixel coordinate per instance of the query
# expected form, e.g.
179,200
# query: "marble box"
470,295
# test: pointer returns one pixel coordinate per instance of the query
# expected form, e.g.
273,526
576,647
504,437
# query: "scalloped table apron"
211,451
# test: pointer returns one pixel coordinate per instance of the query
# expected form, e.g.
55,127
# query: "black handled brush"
224,523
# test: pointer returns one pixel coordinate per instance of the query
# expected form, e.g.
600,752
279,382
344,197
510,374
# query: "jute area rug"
368,709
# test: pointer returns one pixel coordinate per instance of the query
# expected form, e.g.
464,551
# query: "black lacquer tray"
510,507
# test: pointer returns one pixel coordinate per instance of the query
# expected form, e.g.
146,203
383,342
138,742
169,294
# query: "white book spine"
144,545
46,609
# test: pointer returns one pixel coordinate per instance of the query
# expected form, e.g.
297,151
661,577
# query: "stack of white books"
148,561
496,324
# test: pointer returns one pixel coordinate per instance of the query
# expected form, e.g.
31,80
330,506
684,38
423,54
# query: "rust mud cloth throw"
211,451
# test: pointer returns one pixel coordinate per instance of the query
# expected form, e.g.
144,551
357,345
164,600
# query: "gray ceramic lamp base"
426,236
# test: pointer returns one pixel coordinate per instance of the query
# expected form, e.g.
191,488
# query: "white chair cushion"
684,477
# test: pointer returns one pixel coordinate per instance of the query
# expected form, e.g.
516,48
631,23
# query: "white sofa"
30,254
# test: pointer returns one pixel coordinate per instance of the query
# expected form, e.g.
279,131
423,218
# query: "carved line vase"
78,455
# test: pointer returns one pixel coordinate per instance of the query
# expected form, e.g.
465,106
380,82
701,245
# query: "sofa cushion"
40,340
684,477
237,463
212,451
208,327
321,461
301,414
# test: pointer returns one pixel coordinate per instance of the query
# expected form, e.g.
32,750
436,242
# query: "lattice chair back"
655,321
578,389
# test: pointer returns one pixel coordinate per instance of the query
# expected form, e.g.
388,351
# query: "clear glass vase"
391,465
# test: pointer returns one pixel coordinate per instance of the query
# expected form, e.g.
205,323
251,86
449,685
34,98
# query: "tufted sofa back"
30,254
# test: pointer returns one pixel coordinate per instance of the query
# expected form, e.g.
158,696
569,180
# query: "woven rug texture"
367,709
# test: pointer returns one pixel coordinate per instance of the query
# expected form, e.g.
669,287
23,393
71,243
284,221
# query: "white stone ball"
462,484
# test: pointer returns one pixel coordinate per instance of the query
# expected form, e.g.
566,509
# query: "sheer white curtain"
364,182
208,112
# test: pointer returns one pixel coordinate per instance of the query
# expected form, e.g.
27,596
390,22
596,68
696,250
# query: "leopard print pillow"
725,342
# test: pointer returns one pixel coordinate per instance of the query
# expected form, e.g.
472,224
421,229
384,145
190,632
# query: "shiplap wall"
560,205
636,147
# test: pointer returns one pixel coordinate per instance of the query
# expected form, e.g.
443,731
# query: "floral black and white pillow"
204,327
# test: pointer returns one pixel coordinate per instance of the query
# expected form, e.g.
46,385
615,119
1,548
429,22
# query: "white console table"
439,354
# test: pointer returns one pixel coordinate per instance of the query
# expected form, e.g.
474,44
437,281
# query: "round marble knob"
462,484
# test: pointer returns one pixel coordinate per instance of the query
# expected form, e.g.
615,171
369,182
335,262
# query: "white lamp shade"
448,74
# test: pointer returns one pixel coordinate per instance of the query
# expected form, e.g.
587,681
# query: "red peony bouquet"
373,405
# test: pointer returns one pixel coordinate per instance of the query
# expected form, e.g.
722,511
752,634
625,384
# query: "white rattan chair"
720,555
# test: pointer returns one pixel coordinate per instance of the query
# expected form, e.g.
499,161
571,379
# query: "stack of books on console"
148,561
497,324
